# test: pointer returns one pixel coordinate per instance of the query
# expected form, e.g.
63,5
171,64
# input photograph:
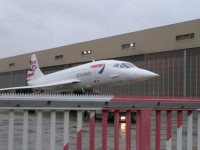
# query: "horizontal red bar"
153,109
154,99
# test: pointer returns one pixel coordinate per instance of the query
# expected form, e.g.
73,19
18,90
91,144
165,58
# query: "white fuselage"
95,74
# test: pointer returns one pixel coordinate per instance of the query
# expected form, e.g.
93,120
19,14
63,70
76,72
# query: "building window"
58,57
11,64
87,52
185,37
128,46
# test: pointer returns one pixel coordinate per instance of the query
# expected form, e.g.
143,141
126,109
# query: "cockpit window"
131,65
126,65
123,65
116,65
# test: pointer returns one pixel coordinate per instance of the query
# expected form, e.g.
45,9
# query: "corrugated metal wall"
169,65
5,80
18,78
193,72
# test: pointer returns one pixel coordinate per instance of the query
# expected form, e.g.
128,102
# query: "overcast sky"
33,25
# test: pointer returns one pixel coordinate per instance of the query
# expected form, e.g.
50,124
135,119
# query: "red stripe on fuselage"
97,66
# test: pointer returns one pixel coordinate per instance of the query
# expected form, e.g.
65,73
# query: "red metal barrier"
143,122
164,110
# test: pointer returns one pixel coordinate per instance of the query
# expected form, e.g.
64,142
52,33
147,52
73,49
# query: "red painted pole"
66,147
143,130
116,127
79,140
138,130
128,130
104,129
158,119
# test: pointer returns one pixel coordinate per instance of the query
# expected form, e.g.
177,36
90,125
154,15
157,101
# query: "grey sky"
33,25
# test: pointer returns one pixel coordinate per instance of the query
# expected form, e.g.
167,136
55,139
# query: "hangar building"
172,51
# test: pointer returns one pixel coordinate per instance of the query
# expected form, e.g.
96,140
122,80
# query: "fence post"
39,130
92,129
143,137
189,130
66,130
53,130
79,130
25,130
116,133
179,130
169,130
128,130
158,121
11,130
104,129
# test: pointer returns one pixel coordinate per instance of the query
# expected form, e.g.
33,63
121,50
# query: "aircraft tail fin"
34,71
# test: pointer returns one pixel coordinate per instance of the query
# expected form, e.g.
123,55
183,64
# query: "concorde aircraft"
82,78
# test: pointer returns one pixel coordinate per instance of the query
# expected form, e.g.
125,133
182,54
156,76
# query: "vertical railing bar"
196,70
190,75
128,130
198,133
104,130
158,78
79,130
53,130
178,82
189,130
169,130
173,76
92,130
116,129
143,127
138,130
163,71
11,130
39,130
158,123
25,130
168,75
184,72
66,130
179,130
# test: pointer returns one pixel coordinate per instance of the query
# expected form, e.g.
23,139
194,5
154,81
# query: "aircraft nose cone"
151,74
147,74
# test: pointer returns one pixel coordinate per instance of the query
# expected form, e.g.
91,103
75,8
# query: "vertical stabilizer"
34,71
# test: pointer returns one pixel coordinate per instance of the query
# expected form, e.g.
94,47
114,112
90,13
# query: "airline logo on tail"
31,70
